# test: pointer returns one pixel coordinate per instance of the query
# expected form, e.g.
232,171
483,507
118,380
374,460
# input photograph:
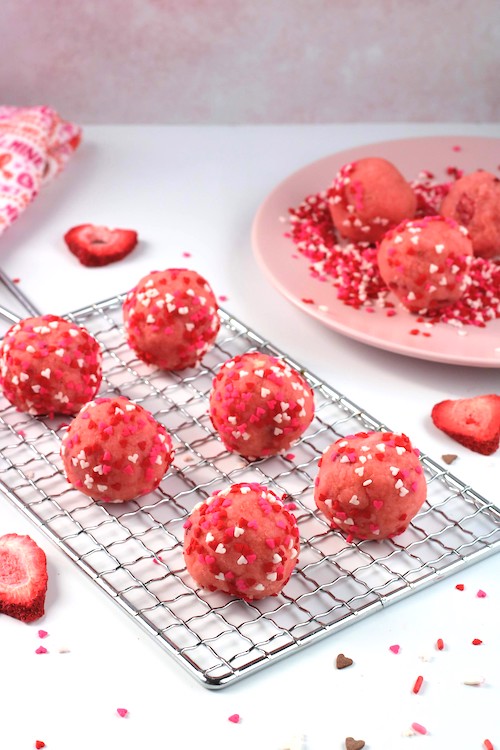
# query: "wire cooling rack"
134,550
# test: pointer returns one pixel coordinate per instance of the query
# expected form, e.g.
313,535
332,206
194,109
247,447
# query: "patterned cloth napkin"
35,144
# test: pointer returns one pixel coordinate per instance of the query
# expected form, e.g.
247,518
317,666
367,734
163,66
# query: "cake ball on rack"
259,404
370,485
171,318
368,197
115,450
425,262
49,365
242,541
474,202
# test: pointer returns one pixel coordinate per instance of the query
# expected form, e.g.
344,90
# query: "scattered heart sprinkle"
481,594
448,458
42,634
352,744
234,718
460,587
122,712
395,649
39,744
343,661
41,650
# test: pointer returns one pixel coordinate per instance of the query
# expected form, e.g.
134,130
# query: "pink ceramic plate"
480,347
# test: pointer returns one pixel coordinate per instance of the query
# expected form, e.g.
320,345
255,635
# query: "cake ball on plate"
474,202
370,485
49,365
259,404
425,262
368,197
242,541
115,450
171,318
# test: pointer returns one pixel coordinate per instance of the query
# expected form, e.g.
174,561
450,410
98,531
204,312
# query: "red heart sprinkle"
39,744
460,586
476,642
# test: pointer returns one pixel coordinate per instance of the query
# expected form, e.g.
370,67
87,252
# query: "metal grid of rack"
134,550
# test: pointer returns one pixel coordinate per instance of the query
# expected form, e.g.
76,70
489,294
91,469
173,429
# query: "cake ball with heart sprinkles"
474,202
259,404
115,450
425,262
242,541
49,365
370,485
171,318
368,197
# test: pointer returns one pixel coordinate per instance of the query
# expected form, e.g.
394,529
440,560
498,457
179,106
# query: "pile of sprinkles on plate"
351,266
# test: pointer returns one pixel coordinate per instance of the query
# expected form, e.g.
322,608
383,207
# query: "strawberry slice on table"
473,422
23,578
98,246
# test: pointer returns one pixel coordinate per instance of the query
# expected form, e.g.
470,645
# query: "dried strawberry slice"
98,246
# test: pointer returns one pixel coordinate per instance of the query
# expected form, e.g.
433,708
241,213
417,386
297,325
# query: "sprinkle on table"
418,684
419,728
440,644
39,744
474,681
395,649
122,712
476,642
481,594
488,745
41,650
460,587
42,634
234,718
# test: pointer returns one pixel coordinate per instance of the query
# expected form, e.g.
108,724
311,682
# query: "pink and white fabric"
35,144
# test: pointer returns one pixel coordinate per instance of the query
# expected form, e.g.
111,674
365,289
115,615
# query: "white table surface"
195,190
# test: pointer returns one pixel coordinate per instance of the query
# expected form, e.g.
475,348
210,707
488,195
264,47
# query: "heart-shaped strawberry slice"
23,578
473,422
98,246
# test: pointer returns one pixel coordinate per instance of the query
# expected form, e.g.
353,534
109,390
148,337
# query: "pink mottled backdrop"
253,61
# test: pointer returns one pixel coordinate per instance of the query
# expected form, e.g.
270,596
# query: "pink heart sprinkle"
41,650
235,718
394,649
122,712
44,634
481,594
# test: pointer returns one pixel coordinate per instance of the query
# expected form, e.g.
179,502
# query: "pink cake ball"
259,404
171,318
425,262
115,450
474,202
370,485
49,365
243,541
368,197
